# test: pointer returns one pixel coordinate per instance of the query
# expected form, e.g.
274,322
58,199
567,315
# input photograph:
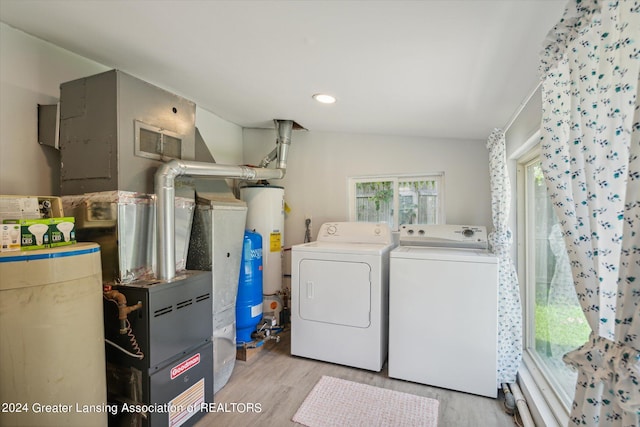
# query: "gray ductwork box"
115,129
216,245
123,223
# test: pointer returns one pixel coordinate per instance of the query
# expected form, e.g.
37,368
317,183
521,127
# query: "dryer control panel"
444,235
355,232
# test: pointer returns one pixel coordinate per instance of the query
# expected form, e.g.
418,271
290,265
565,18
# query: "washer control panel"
355,232
444,235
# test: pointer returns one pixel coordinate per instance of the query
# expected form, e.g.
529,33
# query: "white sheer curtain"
591,162
509,307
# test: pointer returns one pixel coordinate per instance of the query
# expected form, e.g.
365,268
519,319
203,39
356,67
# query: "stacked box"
33,234
18,213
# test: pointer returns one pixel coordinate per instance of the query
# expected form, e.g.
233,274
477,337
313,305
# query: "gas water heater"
265,215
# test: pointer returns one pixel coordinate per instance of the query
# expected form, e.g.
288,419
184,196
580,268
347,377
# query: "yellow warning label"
275,242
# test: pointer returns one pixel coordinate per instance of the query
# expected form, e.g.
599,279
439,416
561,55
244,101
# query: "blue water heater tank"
249,299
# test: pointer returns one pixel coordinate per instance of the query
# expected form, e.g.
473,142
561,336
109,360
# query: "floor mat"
334,402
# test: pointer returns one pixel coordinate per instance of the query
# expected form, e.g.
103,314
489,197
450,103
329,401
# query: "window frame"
438,177
555,400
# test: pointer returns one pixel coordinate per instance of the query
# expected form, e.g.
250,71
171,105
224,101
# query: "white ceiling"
446,69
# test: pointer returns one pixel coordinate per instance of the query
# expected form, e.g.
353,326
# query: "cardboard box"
19,207
30,207
34,233
62,231
50,206
10,237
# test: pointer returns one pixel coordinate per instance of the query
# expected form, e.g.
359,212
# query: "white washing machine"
443,308
339,295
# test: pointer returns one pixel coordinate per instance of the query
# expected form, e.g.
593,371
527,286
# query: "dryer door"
337,292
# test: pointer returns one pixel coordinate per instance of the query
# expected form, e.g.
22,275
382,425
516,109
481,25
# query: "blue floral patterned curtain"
509,307
591,162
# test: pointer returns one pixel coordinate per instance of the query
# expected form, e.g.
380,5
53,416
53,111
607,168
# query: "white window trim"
545,411
436,176
547,408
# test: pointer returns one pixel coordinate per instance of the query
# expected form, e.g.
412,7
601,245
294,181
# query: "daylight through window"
397,200
554,322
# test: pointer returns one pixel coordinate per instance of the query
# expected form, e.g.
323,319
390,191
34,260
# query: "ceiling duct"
167,173
280,152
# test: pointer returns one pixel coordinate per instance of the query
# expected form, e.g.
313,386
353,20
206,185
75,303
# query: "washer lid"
443,254
343,248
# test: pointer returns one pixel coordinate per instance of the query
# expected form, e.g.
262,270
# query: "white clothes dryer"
339,295
443,309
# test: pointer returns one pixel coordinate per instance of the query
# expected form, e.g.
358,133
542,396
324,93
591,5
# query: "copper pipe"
123,309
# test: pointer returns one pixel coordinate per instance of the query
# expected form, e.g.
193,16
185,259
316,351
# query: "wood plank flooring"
279,383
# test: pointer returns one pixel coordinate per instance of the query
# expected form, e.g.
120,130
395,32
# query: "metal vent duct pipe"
284,128
165,190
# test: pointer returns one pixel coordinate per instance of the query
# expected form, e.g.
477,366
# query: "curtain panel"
509,307
590,139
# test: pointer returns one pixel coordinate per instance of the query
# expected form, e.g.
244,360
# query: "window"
397,200
554,322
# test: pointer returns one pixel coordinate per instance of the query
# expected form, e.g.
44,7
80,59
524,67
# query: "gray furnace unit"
166,380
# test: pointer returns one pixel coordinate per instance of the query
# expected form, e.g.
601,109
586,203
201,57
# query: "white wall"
31,71
320,164
223,138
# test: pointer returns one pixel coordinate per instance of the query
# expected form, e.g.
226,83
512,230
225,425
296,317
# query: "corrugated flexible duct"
165,190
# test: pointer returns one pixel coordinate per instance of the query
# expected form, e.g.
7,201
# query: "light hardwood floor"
280,382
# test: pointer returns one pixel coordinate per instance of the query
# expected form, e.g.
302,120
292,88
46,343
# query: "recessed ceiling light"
324,98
